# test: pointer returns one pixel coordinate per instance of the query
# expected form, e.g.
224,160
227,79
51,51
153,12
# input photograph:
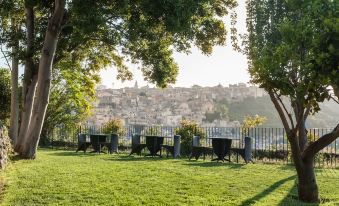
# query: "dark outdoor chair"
197,150
174,149
83,144
137,147
113,144
246,152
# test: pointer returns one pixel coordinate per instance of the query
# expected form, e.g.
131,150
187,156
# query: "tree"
5,95
103,33
292,51
78,94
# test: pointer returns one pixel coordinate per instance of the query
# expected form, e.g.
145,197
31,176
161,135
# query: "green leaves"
108,33
5,94
291,46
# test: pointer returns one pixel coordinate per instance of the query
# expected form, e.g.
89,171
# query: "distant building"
154,106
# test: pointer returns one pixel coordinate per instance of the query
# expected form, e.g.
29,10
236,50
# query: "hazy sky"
224,66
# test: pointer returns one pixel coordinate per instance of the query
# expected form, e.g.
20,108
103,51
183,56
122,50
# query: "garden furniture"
153,143
83,142
97,142
137,147
113,144
197,150
246,152
221,147
175,148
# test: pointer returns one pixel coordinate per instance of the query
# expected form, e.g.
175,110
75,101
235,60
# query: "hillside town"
156,106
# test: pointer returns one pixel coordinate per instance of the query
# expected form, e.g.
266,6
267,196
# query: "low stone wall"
5,147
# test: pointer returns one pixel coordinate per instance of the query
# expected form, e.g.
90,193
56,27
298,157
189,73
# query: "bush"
188,129
114,126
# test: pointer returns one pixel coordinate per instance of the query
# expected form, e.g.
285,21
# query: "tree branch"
307,112
285,109
321,143
299,115
280,111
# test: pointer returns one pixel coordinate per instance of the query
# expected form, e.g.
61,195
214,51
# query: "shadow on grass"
292,198
269,190
208,163
135,158
72,154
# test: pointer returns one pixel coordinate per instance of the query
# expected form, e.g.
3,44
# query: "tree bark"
14,120
44,81
29,82
336,90
26,115
307,184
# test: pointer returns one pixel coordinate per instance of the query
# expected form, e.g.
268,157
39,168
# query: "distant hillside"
326,118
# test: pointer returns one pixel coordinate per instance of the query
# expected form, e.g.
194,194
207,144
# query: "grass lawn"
66,178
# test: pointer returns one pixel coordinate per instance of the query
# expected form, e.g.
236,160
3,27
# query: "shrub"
188,129
251,122
114,126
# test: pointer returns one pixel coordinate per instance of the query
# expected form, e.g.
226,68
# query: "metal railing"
269,144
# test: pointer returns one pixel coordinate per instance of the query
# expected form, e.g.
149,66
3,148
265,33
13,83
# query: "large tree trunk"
26,114
44,81
14,121
307,184
29,81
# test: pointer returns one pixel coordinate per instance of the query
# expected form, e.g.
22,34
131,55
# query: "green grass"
66,178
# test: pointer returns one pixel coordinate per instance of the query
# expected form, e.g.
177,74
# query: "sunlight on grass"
67,178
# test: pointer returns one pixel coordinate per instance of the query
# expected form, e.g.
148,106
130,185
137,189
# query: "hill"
326,118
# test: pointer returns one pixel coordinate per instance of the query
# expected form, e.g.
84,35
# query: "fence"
269,144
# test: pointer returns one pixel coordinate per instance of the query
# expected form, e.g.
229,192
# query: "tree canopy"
104,33
293,48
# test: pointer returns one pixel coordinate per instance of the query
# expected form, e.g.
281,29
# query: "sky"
224,66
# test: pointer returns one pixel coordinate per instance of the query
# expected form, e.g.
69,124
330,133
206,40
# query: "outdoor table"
153,144
221,147
97,141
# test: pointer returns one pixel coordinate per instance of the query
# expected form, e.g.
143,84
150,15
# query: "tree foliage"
252,122
78,95
293,48
5,95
